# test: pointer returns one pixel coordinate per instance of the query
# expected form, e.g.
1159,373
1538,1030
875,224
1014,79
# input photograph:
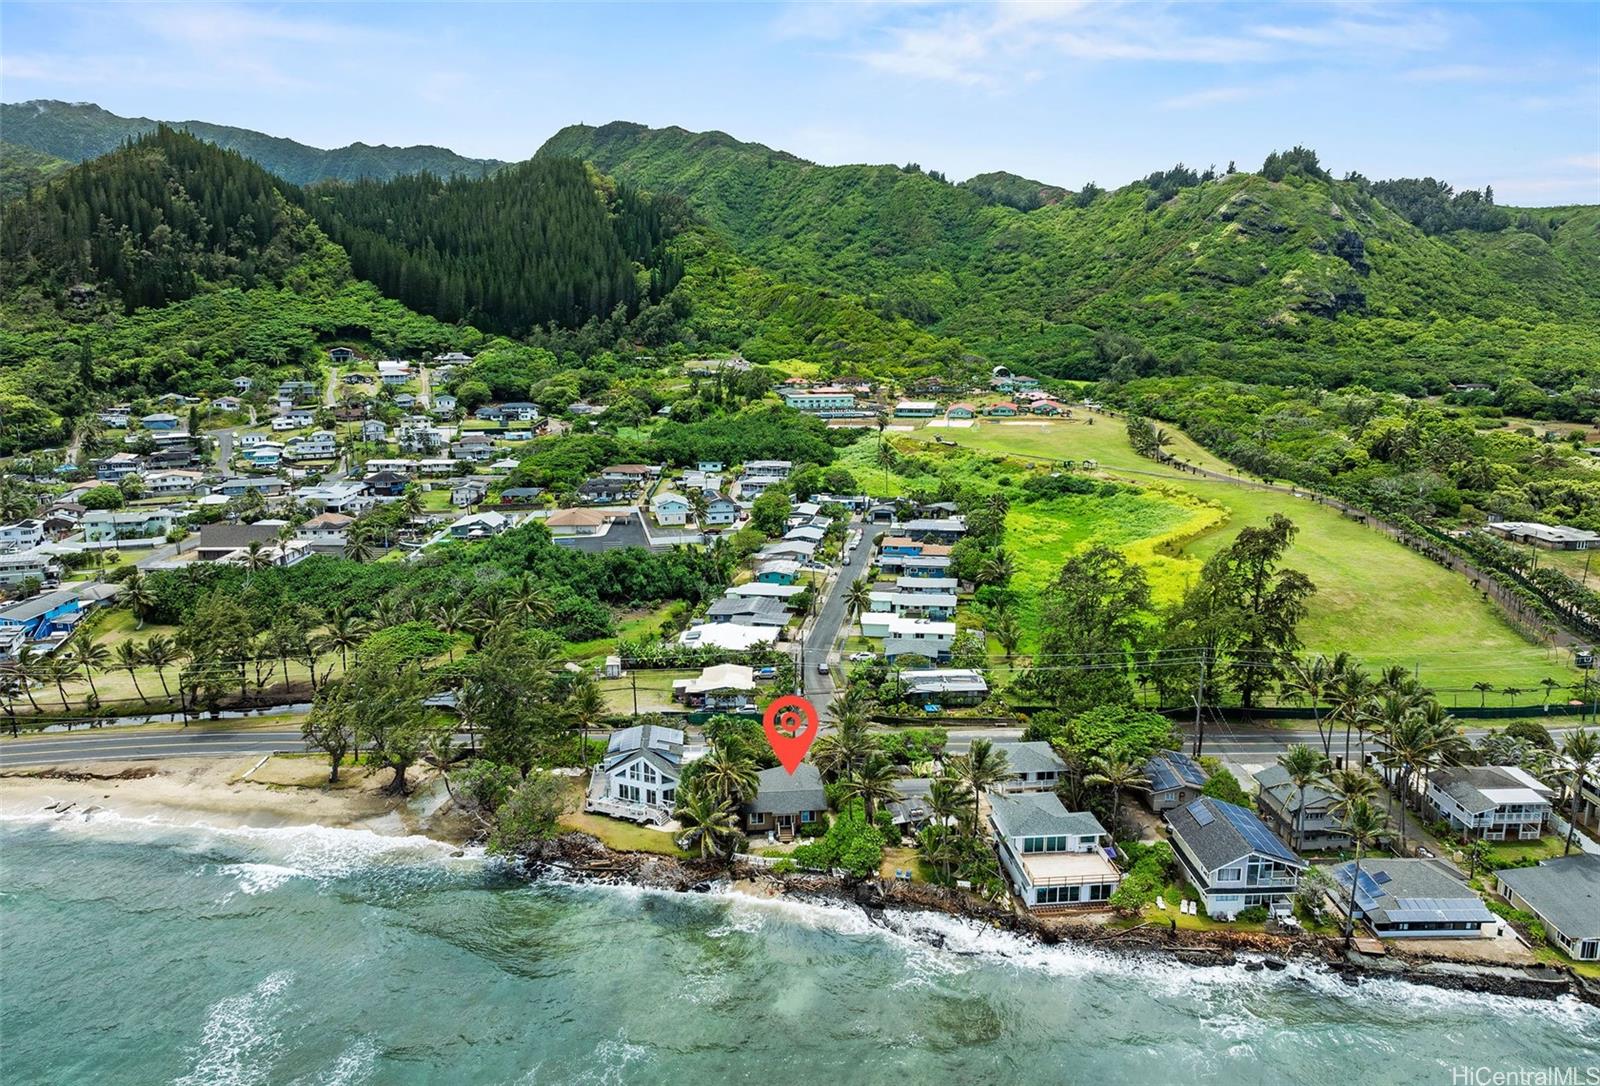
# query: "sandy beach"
244,791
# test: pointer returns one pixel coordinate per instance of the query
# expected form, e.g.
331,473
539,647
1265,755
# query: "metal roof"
1402,891
1171,770
1219,834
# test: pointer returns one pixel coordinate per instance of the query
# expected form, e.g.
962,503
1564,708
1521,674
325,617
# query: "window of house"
808,816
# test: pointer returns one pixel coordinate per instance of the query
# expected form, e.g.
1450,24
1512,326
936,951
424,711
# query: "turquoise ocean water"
139,952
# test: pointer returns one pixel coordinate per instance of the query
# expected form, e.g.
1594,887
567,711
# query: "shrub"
850,843
1254,914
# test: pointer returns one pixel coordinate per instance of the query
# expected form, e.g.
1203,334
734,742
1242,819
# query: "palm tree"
707,820
136,590
698,505
1511,691
160,652
529,599
586,706
1006,629
1363,824
1116,774
1484,689
1305,767
946,800
887,457
411,501
872,784
255,559
490,611
1549,684
858,597
1352,695
61,670
728,776
1582,749
30,666
1313,683
452,617
129,659
981,767
1415,742
996,569
342,632
848,746
93,656
358,546
938,847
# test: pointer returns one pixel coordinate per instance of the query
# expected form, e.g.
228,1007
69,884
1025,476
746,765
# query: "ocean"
142,952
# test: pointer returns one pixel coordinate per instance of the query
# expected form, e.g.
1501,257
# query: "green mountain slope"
77,131
1301,279
171,266
541,242
23,168
1009,189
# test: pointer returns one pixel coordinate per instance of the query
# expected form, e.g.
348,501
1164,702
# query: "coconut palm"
129,659
1582,749
29,667
1414,743
1313,681
1116,774
872,784
728,776
847,747
343,631
1484,690
585,707
530,599
136,591
160,652
980,768
1305,767
255,559
1363,824
939,847
452,617
858,597
947,800
358,544
996,569
699,505
887,458
93,656
1549,684
1351,695
62,669
708,821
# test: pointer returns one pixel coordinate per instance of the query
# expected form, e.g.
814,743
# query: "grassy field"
1375,599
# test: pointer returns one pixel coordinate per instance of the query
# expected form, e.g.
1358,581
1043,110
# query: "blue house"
160,422
42,615
902,545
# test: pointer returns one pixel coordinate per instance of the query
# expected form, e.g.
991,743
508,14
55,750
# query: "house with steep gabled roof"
638,777
786,801
1232,858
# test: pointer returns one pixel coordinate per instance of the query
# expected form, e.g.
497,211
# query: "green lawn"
1375,598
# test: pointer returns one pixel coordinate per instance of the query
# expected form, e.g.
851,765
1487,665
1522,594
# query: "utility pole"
634,676
1199,702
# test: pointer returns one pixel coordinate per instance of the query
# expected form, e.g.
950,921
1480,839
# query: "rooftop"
780,792
1218,834
1040,814
1483,788
1398,891
1565,891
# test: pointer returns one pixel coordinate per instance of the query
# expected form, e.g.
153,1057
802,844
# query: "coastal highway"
104,745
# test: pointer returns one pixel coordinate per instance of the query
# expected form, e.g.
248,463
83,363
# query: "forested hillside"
23,168
77,131
543,242
1287,276
171,266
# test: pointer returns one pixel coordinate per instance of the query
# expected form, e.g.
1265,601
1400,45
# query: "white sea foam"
238,1042
354,1066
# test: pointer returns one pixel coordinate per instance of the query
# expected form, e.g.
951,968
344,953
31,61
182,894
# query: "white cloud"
1210,97
987,44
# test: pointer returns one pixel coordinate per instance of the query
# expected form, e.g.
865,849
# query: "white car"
861,657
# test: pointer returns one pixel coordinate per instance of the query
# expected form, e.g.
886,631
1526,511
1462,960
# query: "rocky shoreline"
580,857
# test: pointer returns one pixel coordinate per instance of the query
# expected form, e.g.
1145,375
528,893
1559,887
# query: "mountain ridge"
79,131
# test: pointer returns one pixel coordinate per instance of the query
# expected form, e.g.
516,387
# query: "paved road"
825,627
224,450
106,746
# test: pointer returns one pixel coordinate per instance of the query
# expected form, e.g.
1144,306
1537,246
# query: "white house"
374,430
1411,899
19,566
670,509
1052,857
918,635
243,384
392,372
21,535
638,777
1232,858
721,511
1034,766
1492,802
108,525
172,482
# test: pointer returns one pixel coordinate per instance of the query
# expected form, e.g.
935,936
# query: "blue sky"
1507,95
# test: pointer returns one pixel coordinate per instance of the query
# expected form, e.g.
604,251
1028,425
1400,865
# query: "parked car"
822,669
861,657
766,673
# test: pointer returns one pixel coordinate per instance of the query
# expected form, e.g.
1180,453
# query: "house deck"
1068,868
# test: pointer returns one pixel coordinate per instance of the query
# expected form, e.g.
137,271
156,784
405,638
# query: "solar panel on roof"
1382,877
1200,813
1254,831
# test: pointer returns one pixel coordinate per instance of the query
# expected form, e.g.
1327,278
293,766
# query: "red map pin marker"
791,726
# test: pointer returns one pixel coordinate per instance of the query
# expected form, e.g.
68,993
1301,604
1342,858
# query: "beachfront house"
1564,893
784,802
1232,858
1411,899
1053,858
1278,800
1496,803
638,777
1035,767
